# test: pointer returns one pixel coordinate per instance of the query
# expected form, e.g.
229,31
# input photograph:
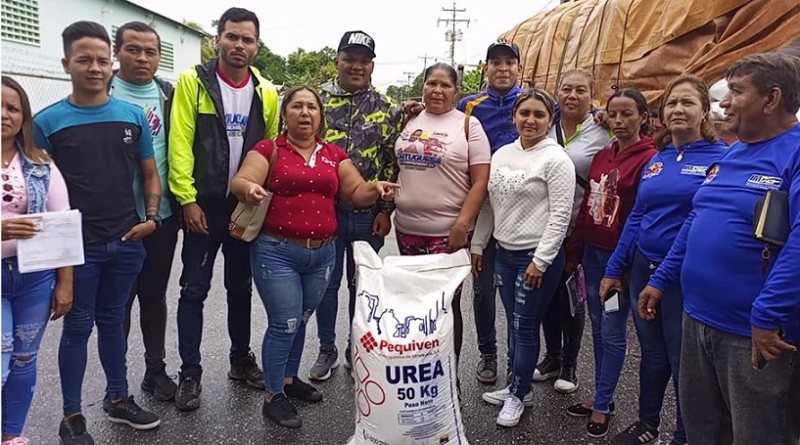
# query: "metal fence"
42,89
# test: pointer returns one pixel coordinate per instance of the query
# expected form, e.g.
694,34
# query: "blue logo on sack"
425,323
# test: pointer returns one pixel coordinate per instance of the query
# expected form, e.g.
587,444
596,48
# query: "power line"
454,34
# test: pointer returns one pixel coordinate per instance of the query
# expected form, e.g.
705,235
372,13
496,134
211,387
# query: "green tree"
471,83
271,65
208,48
310,67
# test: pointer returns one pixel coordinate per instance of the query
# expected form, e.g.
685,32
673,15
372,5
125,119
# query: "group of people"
538,188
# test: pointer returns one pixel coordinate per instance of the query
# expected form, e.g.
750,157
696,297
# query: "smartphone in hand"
611,304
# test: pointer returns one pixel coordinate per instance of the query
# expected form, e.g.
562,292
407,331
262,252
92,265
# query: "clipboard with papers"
576,288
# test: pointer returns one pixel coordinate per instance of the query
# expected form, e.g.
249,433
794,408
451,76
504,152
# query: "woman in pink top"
31,184
444,170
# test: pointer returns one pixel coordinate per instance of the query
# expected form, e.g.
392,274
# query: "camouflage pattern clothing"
365,124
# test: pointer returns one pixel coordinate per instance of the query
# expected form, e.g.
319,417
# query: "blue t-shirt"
663,202
150,99
721,271
97,149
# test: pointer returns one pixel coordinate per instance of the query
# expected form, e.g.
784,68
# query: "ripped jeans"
291,281
525,308
26,309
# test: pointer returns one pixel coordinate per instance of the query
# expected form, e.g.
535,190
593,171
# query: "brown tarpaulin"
645,43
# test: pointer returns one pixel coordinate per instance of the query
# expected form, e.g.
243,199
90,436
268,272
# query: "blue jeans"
484,293
102,289
291,281
661,346
525,307
608,330
353,226
26,309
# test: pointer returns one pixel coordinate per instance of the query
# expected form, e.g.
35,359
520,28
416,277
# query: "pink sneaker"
17,441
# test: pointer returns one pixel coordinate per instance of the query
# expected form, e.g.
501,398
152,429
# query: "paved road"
231,413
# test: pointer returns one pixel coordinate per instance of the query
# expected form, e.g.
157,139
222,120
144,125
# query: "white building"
32,48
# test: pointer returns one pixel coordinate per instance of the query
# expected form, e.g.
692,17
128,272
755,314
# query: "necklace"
681,152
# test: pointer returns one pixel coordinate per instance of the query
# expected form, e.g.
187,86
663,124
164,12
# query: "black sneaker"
567,381
486,371
599,429
72,431
159,384
547,369
247,370
187,398
301,390
281,411
127,412
639,433
581,411
348,358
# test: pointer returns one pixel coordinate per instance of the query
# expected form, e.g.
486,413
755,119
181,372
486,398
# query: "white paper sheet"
59,242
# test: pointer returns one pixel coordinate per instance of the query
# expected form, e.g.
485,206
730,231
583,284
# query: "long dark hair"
706,127
25,136
288,98
641,105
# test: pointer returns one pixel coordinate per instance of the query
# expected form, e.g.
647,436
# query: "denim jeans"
151,291
660,340
26,310
725,401
484,294
563,333
291,281
608,330
198,256
353,226
102,289
525,306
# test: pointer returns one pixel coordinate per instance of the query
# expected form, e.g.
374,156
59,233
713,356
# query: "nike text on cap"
495,48
357,39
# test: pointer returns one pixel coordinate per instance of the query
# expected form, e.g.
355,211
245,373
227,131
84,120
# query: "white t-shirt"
236,102
530,200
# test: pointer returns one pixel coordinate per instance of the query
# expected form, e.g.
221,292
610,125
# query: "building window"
20,20
167,57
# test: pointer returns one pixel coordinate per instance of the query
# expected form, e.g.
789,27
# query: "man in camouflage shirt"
365,123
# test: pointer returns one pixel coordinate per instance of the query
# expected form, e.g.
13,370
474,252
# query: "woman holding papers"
531,191
664,201
610,194
31,184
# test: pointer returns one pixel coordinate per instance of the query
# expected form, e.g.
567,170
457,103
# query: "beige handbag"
247,219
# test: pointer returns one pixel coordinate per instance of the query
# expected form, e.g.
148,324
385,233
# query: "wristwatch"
155,218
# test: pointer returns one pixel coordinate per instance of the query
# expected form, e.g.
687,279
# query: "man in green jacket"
220,110
365,123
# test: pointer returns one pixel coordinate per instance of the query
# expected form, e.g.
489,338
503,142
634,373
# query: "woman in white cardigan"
531,192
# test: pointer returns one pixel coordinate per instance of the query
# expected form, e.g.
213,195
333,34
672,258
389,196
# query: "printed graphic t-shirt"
434,157
236,101
148,97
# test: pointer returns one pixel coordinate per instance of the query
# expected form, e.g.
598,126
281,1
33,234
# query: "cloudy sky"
403,30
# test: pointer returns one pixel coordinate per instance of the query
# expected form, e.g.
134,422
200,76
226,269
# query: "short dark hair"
238,15
444,67
79,30
771,70
641,104
136,27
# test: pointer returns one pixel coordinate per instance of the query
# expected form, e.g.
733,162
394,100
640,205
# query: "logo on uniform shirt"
328,161
653,169
128,137
764,182
694,170
712,173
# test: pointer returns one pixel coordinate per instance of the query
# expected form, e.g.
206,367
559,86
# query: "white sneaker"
512,411
499,397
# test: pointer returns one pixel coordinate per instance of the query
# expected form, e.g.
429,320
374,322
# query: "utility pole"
409,75
425,61
454,34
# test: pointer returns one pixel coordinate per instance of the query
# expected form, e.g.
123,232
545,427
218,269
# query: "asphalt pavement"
231,412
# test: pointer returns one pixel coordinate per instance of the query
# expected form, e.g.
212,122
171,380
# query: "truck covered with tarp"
645,43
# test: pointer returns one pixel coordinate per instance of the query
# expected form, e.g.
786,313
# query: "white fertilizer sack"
404,362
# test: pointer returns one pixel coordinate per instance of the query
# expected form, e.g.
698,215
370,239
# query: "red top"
302,204
610,194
